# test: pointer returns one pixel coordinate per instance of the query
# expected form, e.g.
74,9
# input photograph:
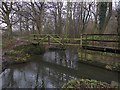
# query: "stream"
52,70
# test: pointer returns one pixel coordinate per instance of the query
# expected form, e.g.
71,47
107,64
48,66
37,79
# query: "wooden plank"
57,43
101,34
103,40
56,40
102,49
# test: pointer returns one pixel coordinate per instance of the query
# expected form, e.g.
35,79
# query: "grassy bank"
100,59
86,84
22,53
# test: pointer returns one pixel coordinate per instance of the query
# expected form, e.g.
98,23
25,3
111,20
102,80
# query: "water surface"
52,70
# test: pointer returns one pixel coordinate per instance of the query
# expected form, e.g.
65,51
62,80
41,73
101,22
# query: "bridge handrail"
102,34
56,40
100,37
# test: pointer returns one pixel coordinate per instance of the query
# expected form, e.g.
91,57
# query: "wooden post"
118,80
85,44
37,37
48,40
85,41
34,37
81,40
62,40
93,40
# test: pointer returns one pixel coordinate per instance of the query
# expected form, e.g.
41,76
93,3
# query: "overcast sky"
64,0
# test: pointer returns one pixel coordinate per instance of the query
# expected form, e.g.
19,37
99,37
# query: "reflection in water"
53,70
64,58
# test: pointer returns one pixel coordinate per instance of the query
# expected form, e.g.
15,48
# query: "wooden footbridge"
55,39
96,42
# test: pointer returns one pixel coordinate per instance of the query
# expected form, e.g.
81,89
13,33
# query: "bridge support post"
81,40
48,40
34,37
85,45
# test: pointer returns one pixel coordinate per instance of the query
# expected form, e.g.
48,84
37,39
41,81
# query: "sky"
64,0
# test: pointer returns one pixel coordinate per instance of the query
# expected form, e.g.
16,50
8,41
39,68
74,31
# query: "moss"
31,49
99,53
22,53
17,56
114,66
87,84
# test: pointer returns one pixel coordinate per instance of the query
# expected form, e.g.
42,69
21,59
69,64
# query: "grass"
17,56
98,59
88,84
31,49
100,53
22,53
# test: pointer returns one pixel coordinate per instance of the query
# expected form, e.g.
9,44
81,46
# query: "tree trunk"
59,18
118,27
27,25
68,5
103,18
55,23
33,28
71,22
21,26
95,26
39,28
9,27
108,17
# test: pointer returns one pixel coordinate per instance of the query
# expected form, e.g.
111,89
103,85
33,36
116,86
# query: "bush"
17,56
35,49
22,53
31,49
87,84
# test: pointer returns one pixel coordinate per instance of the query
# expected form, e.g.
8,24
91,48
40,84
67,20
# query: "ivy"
102,14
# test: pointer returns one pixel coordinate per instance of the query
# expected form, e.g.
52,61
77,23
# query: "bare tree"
6,10
36,11
59,6
105,12
9,12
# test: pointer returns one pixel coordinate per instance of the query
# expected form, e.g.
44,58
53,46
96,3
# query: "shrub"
31,49
87,84
22,53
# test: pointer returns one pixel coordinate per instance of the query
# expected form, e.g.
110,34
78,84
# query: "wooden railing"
102,42
55,39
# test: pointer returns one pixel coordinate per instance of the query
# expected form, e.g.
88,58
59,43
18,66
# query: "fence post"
62,40
34,37
48,40
85,44
92,40
81,40
85,41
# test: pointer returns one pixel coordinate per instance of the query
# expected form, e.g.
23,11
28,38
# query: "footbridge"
96,42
